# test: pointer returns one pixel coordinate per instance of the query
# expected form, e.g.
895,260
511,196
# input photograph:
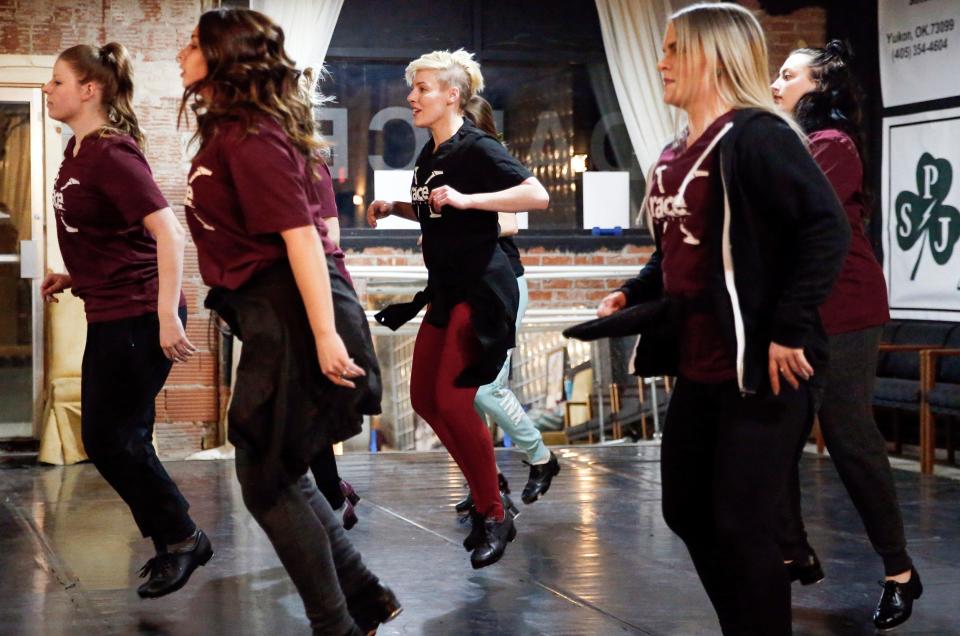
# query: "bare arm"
508,224
305,252
529,195
171,239
380,209
333,229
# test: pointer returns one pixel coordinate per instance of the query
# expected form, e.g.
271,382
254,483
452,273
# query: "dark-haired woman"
817,86
253,206
123,250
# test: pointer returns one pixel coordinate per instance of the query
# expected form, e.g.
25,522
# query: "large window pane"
548,113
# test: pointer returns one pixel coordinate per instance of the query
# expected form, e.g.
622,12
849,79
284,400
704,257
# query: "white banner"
919,50
921,214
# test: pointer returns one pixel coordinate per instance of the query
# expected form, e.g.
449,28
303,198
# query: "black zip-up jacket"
782,238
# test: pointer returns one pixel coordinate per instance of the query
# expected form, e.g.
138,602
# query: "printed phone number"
916,50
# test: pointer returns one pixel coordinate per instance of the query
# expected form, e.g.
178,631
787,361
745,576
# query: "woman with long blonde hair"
308,372
749,239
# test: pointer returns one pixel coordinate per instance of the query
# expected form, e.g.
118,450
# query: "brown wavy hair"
249,76
110,67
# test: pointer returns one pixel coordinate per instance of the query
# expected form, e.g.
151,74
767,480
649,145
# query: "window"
555,107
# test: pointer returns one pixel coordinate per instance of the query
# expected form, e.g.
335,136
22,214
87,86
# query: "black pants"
311,544
725,462
324,469
858,451
123,371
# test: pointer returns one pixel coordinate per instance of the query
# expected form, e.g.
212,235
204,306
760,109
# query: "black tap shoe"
169,571
896,602
496,536
373,606
807,570
541,475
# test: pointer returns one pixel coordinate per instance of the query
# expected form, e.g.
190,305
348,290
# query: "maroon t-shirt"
100,198
859,297
328,210
680,203
244,189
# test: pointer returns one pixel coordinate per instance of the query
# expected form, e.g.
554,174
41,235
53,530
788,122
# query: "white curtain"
632,34
307,24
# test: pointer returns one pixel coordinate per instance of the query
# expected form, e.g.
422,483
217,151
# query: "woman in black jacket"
749,239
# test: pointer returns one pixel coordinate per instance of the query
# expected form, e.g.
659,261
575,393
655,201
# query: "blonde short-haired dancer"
463,177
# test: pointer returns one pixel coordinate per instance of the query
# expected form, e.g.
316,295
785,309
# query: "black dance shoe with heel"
347,512
496,536
807,569
476,531
896,602
170,571
464,506
541,476
373,606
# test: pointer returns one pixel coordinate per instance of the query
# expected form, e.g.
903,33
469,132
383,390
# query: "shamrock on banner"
923,215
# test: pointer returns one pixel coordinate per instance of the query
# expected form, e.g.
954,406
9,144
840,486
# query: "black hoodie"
782,237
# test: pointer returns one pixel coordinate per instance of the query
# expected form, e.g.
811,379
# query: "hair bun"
837,49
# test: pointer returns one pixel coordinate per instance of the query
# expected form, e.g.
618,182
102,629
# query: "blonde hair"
457,69
734,51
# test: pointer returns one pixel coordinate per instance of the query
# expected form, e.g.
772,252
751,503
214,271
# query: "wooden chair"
940,395
578,409
898,386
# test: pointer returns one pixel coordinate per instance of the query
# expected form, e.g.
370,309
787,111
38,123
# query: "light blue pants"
498,401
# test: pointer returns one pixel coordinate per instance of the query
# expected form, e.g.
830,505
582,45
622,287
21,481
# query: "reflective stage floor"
593,557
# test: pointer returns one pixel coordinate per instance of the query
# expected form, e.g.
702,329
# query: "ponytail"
109,66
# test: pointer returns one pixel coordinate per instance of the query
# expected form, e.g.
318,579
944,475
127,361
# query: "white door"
21,260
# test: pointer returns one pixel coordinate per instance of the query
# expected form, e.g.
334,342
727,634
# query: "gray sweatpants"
311,544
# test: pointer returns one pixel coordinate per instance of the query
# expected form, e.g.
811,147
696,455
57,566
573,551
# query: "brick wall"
153,31
804,27
544,294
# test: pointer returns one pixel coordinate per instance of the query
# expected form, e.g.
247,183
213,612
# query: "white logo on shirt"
200,171
58,203
674,208
667,208
421,194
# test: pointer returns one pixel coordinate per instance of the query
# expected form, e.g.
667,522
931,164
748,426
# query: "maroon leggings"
438,357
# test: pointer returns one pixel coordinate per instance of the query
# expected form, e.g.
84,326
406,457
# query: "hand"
378,210
54,284
612,304
335,362
173,339
790,363
445,195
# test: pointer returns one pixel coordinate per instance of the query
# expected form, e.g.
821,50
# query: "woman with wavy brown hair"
307,373
123,250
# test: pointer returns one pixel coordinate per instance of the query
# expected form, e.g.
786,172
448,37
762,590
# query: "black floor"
594,557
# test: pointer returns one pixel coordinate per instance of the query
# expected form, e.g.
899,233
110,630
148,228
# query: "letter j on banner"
921,215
